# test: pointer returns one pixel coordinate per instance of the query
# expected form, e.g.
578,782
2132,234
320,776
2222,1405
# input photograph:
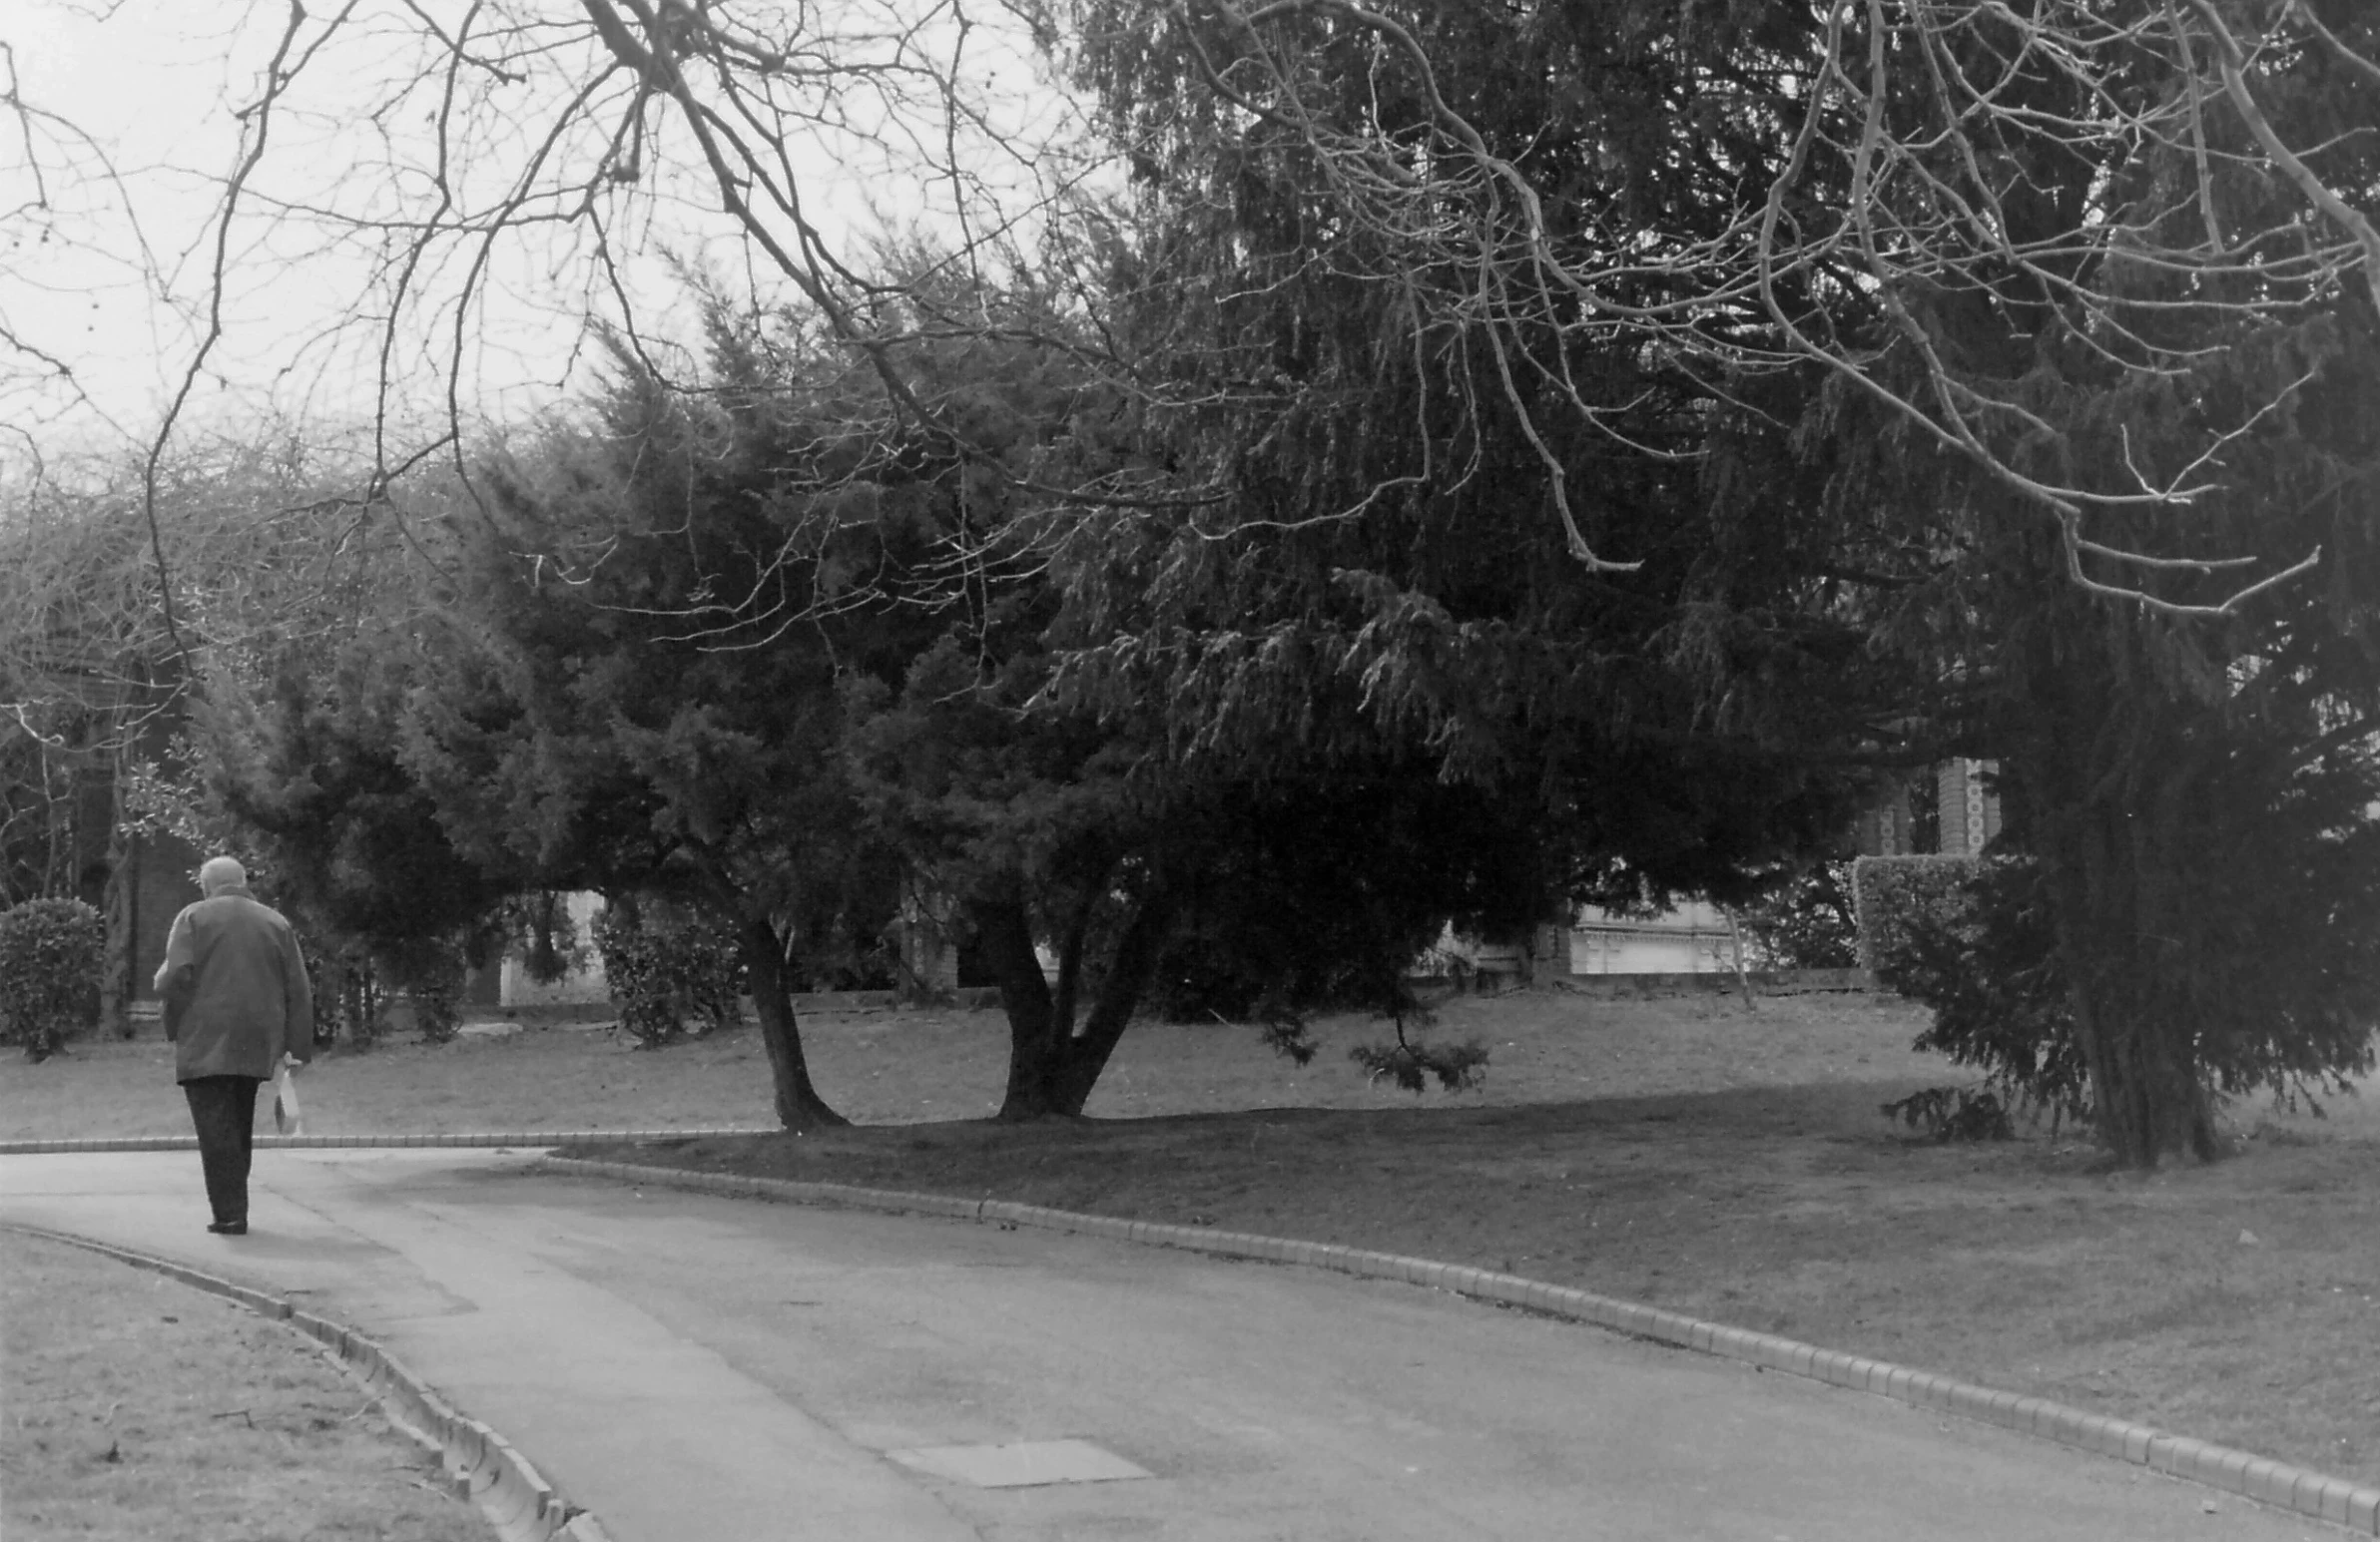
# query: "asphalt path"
705,1369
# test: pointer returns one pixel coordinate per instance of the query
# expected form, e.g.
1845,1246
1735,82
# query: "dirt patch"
139,1408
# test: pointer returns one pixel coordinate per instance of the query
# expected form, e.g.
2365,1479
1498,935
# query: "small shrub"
1955,1114
666,963
1288,1036
1986,961
1892,893
1458,1067
51,953
430,971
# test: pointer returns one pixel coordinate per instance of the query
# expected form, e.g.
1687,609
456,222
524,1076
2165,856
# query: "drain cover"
1024,1464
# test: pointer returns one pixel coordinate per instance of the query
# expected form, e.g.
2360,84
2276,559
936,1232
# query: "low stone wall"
1767,982
1702,982
971,998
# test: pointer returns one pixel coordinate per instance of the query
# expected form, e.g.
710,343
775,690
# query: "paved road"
700,1370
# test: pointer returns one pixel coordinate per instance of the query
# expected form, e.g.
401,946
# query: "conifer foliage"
1918,377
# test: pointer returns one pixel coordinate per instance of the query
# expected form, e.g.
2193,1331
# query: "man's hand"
175,986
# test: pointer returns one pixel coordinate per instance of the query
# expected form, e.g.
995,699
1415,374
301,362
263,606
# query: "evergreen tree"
1898,380
647,698
2186,711
312,780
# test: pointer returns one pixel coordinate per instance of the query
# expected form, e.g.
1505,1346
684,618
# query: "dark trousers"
224,1108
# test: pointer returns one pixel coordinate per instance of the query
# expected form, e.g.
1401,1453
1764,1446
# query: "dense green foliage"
50,956
1893,896
1980,950
1488,457
1943,530
2184,780
1335,888
646,698
1808,918
665,964
1376,571
307,769
2192,771
2285,881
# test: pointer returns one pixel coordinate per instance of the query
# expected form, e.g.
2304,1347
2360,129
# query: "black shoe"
228,1227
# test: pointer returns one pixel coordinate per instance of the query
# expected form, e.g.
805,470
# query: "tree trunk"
358,1004
2146,1086
799,1106
1735,942
2105,775
118,973
1004,931
1052,1066
1120,990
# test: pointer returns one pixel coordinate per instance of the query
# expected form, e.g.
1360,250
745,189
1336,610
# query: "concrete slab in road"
719,1370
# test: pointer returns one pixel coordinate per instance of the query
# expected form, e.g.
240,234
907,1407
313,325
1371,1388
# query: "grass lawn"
138,1407
917,1066
1685,1151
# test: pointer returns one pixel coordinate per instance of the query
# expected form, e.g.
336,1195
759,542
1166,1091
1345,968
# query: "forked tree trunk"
1004,933
799,1106
1052,1063
1127,978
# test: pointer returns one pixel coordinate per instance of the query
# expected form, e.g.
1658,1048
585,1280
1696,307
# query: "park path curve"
704,1370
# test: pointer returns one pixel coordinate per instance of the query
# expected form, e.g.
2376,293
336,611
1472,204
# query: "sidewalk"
718,1370
661,1437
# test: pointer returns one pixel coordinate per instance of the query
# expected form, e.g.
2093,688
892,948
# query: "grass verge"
138,1407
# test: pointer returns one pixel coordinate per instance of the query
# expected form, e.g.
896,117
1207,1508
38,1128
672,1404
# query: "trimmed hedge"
1888,892
51,951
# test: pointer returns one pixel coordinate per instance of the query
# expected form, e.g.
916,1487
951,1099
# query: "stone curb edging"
2262,1479
327,1142
482,1467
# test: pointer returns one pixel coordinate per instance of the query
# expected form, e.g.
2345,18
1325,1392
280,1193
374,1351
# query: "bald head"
221,876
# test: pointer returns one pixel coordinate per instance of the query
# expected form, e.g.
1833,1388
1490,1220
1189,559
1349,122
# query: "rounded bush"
51,954
665,964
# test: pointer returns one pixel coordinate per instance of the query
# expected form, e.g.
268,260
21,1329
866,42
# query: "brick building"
1949,808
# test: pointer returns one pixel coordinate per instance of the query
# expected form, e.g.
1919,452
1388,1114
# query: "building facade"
1948,809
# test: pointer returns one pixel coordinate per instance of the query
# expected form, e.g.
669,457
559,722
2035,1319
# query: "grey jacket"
236,992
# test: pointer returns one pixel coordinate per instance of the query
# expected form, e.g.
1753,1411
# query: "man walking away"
236,999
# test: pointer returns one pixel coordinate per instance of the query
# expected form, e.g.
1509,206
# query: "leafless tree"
2127,180
428,203
467,166
92,682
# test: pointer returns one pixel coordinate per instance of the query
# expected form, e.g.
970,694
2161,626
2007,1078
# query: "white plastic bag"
286,1117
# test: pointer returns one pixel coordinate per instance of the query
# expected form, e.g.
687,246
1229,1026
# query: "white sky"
111,180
